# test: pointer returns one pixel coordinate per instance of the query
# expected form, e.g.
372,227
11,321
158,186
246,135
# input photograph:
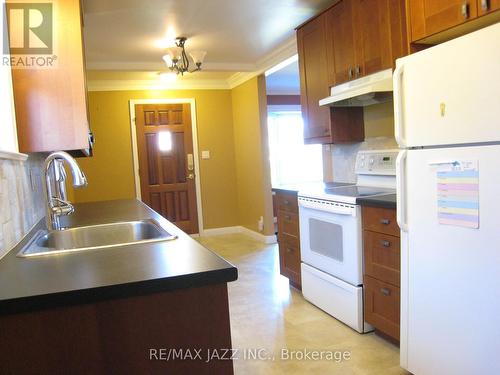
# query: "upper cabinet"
487,6
313,68
434,21
340,43
351,39
322,124
364,37
50,98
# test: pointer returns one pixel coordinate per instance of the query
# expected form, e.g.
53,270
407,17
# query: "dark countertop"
384,201
87,276
295,188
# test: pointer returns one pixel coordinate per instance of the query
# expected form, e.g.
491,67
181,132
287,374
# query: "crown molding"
144,66
146,85
243,73
283,52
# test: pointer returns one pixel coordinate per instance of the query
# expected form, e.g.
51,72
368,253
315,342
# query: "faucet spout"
55,203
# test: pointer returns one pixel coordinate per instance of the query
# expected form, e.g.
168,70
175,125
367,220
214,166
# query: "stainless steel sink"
95,237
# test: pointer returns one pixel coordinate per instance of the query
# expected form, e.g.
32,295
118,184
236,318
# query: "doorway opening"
165,155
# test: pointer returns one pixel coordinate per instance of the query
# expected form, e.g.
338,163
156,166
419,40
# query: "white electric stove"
331,240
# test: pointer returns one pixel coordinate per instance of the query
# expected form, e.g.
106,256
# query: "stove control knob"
372,161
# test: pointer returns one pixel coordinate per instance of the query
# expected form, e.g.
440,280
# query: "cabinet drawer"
287,202
382,304
289,248
382,220
382,256
288,223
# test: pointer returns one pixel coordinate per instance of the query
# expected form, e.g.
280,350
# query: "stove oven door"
330,241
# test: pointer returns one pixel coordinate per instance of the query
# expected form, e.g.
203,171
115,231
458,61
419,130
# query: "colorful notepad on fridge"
458,194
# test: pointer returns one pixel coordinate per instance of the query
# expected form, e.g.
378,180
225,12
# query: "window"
291,160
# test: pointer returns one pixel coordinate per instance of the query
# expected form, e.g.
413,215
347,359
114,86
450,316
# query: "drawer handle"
385,291
288,218
385,243
286,202
289,250
385,221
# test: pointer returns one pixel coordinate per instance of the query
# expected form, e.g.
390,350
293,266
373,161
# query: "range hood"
373,89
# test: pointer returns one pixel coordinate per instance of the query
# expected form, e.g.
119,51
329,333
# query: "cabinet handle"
465,9
289,250
485,5
350,72
385,221
286,202
358,70
385,243
385,291
288,217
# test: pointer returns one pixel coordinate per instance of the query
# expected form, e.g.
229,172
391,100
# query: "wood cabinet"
311,44
364,37
487,6
288,235
382,265
340,43
434,21
121,335
50,102
351,39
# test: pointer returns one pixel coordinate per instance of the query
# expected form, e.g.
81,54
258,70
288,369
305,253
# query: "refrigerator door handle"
401,190
398,105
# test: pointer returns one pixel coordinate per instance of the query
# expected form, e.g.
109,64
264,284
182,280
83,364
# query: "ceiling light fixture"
178,61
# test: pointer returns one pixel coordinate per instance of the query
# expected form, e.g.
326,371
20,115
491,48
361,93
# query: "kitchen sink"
95,237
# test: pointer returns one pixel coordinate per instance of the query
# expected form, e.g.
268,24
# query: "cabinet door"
432,16
379,34
311,43
340,43
50,103
289,250
486,6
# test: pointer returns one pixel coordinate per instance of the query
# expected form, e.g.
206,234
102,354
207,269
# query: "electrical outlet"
205,155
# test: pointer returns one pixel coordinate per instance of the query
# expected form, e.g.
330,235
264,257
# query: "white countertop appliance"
330,238
447,111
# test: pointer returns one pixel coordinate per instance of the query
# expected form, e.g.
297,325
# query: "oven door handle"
339,210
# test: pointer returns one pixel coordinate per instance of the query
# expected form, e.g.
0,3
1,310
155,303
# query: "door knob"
190,176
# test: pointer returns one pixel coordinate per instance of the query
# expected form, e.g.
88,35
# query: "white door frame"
137,178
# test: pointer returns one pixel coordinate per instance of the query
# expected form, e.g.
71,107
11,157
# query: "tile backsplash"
344,156
21,199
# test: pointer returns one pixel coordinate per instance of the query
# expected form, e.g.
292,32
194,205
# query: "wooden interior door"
166,162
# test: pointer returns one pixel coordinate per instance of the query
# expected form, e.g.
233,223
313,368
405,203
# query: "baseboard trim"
240,229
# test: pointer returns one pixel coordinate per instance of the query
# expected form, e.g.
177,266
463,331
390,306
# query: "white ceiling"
285,81
237,34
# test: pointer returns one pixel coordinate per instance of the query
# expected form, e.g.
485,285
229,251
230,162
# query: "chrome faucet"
56,203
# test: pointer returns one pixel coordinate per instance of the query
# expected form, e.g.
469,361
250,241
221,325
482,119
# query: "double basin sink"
95,237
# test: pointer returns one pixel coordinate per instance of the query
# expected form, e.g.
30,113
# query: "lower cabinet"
288,236
382,265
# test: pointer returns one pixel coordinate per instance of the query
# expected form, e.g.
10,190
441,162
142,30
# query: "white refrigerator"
447,115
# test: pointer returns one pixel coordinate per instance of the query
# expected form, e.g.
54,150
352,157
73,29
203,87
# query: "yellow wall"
110,170
252,164
379,120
